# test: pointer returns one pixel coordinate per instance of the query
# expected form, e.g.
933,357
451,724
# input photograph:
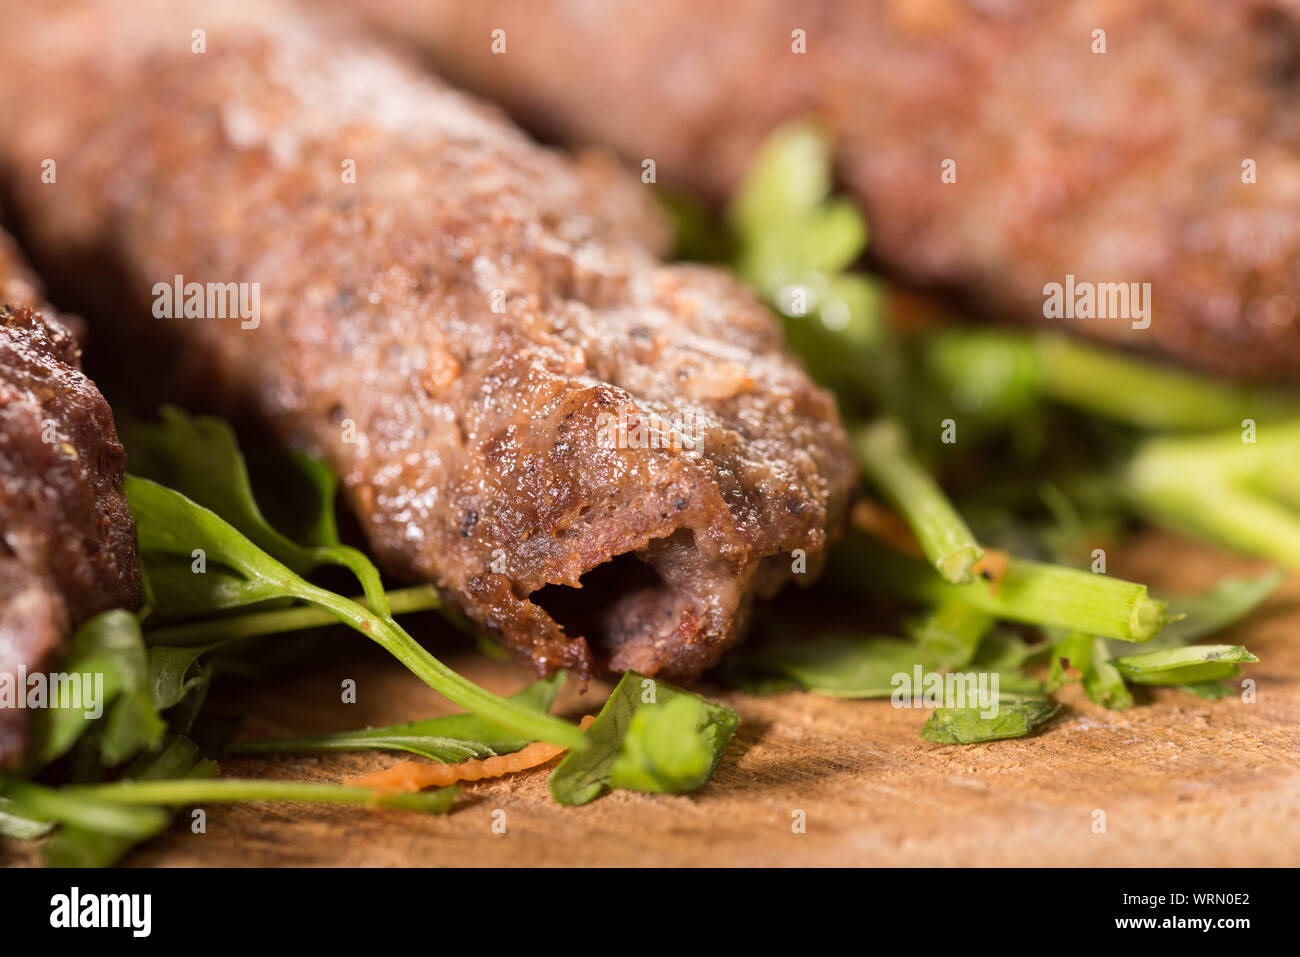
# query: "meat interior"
617,605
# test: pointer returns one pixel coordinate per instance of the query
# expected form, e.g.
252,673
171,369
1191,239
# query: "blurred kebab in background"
996,147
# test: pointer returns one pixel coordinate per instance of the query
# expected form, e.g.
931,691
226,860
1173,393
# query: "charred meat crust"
476,333
1117,167
67,540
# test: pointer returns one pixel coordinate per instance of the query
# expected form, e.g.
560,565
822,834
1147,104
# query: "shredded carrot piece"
1071,672
912,313
885,525
992,567
417,775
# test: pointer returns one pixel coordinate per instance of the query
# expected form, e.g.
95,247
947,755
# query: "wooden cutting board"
1181,781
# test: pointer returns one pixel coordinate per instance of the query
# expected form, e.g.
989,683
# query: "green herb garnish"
1089,657
1033,593
170,525
1221,488
110,644
1017,715
1190,665
451,738
1217,608
941,532
649,736
839,665
199,457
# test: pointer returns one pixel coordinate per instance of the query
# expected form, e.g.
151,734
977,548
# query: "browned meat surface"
477,333
1122,166
67,542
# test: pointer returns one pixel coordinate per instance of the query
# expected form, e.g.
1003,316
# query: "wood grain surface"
1182,781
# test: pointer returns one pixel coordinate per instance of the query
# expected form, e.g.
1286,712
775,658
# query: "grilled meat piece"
1119,167
67,541
476,333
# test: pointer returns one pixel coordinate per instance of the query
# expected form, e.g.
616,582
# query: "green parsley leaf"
110,644
1190,665
22,826
1209,690
199,457
1017,716
642,741
843,665
1211,611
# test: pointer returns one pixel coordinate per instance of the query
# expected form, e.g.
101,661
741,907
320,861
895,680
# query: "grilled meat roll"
1109,142
476,333
67,541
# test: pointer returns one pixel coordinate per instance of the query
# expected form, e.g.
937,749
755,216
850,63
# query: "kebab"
67,541
449,316
996,149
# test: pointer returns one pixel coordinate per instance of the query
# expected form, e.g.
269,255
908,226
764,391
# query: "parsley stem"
168,523
1219,487
1008,370
40,802
231,790
1102,382
941,532
455,688
277,621
1029,592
